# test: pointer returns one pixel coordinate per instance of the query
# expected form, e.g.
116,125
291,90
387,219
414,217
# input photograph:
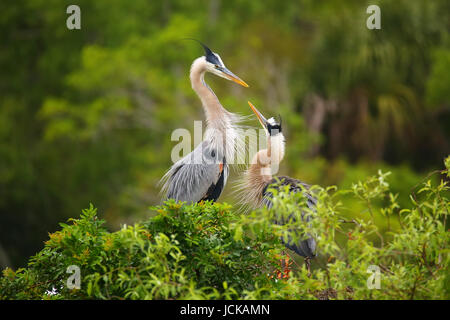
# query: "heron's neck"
264,165
257,177
260,168
216,115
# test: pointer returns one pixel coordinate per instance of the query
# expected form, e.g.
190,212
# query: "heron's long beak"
231,76
260,117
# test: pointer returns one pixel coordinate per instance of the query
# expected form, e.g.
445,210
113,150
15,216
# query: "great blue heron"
259,180
202,174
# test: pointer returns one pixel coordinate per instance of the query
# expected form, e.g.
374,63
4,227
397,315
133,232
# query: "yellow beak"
231,76
260,117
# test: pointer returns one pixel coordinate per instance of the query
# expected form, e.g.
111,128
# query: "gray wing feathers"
190,178
307,247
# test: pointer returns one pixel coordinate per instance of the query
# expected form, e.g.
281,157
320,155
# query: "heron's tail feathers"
305,248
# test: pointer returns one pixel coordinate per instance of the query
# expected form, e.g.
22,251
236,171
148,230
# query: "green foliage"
207,251
439,82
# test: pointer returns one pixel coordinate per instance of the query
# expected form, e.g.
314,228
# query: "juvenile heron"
202,174
259,178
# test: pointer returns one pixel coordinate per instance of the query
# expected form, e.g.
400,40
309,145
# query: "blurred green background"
86,115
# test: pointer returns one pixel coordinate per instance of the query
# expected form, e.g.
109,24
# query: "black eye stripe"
274,129
274,126
210,57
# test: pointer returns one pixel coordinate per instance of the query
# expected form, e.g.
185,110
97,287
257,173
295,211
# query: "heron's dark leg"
308,265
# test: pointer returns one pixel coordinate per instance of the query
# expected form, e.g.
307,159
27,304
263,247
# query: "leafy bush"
208,251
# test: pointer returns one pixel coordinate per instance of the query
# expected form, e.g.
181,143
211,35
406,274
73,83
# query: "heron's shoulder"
294,185
288,181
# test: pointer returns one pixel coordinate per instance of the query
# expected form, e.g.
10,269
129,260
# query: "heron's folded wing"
304,247
191,182
197,176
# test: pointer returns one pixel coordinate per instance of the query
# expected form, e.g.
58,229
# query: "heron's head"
275,138
271,126
214,64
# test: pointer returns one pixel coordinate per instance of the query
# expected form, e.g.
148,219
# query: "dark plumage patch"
304,248
294,185
211,58
209,55
215,189
275,128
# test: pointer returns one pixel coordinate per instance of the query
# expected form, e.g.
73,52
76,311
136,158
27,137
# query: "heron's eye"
213,153
216,66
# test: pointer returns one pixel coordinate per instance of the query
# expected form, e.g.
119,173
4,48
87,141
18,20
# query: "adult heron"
259,179
202,174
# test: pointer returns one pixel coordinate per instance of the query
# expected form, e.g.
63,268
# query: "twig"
385,269
350,221
420,182
369,205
